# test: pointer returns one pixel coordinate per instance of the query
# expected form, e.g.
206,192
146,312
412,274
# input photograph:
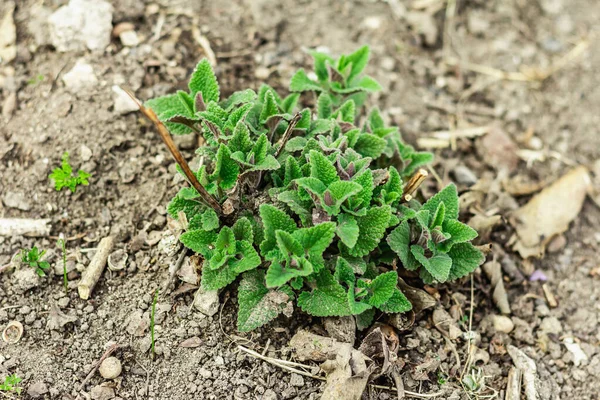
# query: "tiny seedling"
153,313
35,80
310,204
33,259
10,384
62,244
63,176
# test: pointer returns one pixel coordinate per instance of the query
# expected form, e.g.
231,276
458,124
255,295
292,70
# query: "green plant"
308,205
152,315
33,258
62,244
10,384
63,176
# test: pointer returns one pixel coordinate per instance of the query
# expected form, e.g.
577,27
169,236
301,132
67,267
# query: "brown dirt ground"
133,179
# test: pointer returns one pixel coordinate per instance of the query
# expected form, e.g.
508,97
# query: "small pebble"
464,175
37,390
502,323
557,244
110,368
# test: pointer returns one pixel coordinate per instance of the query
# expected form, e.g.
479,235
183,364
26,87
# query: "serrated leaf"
289,103
270,107
343,271
241,139
301,83
257,304
287,244
189,207
372,227
199,241
375,120
328,299
459,232
397,303
363,198
369,145
364,320
356,307
399,241
347,111
210,220
260,149
321,60
438,266
226,169
324,106
292,171
438,216
278,274
417,160
448,196
295,144
226,241
242,229
295,203
204,80
322,169
347,230
315,239
382,288
246,259
312,185
240,97
367,84
274,219
358,61
465,259
167,107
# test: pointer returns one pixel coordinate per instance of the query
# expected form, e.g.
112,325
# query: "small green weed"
63,176
33,259
10,384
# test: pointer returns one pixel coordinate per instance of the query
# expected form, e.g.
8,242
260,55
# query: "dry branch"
94,271
24,226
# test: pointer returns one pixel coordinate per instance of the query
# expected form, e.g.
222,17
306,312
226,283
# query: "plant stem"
152,320
168,140
288,133
62,244
413,184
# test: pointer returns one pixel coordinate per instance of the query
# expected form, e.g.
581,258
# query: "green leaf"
240,97
465,259
203,80
287,244
316,239
246,259
328,299
375,120
321,60
438,266
448,196
278,274
372,227
295,144
438,217
347,230
292,170
369,145
199,241
295,203
399,241
356,307
363,198
210,220
397,303
167,107
347,111
260,149
382,288
274,219
226,169
289,103
242,229
270,107
367,84
312,185
241,139
226,241
63,176
358,60
324,106
364,320
179,203
322,169
301,83
343,271
417,160
257,304
459,232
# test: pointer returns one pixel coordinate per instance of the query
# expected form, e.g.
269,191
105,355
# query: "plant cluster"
11,383
63,176
310,203
33,258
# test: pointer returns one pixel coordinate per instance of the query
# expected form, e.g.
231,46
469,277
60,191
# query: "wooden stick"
94,271
288,133
24,226
513,386
413,184
168,140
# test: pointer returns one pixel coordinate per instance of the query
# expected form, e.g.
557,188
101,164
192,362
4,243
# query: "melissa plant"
33,258
63,176
309,206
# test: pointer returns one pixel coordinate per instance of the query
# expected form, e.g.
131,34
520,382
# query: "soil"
256,41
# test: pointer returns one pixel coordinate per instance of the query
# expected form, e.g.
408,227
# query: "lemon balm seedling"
10,384
63,176
308,206
33,258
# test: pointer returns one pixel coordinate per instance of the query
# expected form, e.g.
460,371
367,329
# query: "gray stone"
207,302
16,200
269,395
123,103
26,279
464,175
37,390
81,24
80,78
102,393
551,325
110,368
296,380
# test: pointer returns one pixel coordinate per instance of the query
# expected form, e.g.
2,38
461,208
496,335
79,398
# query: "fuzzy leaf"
465,259
449,197
322,169
438,217
358,61
356,307
343,271
199,240
324,106
328,299
321,60
295,203
347,111
289,103
260,149
382,288
274,219
316,239
278,274
372,227
210,220
347,230
399,241
459,232
301,83
242,229
203,80
180,203
226,169
243,96
397,303
369,145
295,144
241,139
438,266
167,107
292,170
375,120
257,304
246,259
364,320
287,244
270,107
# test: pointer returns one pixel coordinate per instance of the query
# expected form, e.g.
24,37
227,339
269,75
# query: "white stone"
80,77
81,24
123,103
110,368
502,323
207,302
129,38
85,152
